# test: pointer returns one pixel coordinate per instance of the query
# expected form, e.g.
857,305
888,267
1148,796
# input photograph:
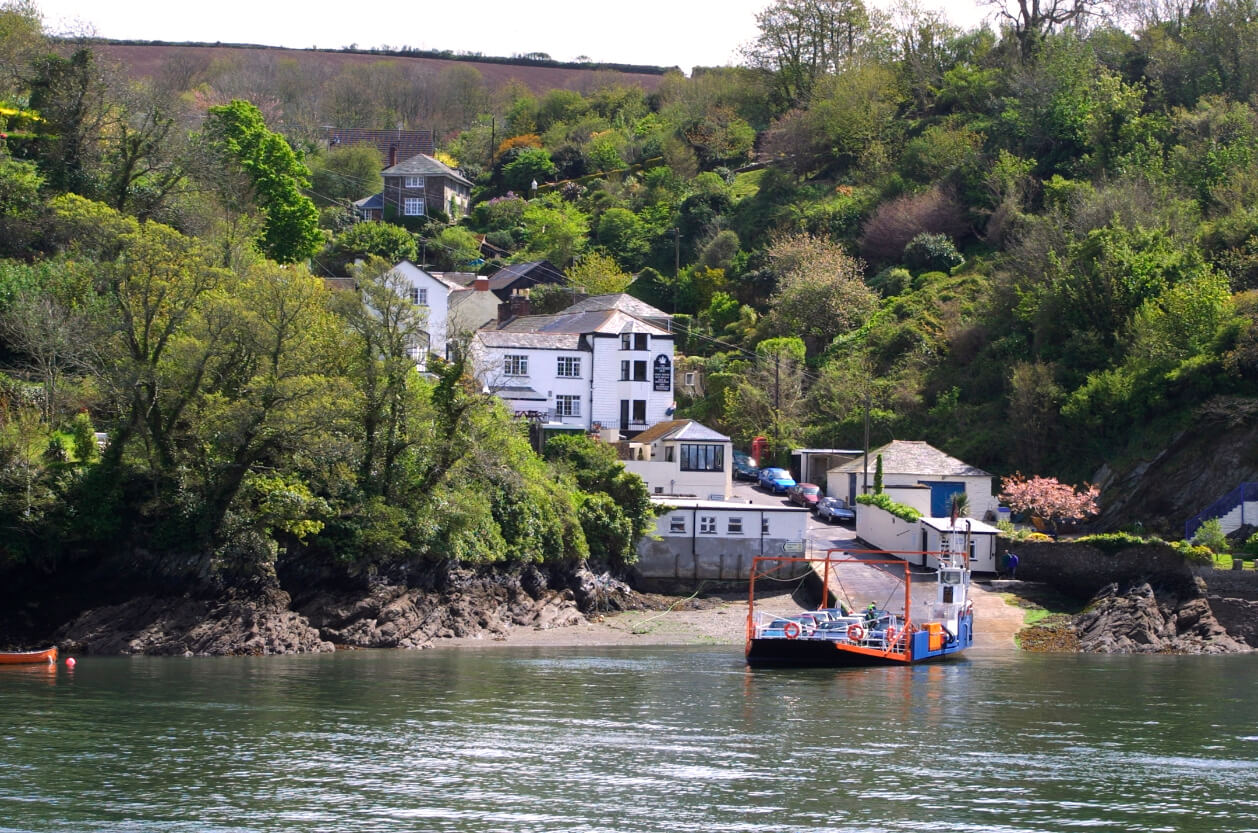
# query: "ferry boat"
887,631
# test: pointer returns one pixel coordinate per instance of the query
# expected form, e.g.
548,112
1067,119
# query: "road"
821,536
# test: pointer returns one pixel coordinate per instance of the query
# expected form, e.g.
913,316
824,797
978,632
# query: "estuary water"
628,739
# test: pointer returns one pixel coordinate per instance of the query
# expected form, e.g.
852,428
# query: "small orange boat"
28,657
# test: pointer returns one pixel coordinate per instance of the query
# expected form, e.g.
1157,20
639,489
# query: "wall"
984,549
668,479
608,389
885,531
542,370
682,562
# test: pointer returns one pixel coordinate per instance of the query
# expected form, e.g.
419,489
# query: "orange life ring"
891,634
790,630
855,633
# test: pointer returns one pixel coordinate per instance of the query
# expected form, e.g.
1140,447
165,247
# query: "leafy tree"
455,248
529,166
276,175
598,274
346,173
1032,21
362,241
622,234
932,252
1210,535
553,229
821,290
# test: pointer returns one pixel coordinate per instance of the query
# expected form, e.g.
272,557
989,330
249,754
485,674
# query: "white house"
682,457
712,543
605,363
451,306
907,464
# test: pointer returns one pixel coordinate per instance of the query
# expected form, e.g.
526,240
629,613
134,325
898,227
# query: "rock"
1137,619
237,624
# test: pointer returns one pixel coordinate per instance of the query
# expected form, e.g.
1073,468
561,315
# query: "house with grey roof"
418,187
601,366
514,277
684,458
916,474
452,307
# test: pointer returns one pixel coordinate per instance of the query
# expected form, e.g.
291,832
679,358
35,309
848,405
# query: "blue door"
941,497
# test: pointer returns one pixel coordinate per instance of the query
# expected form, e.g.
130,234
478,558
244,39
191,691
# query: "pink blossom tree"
1047,498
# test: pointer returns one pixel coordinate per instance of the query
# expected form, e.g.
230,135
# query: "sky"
682,33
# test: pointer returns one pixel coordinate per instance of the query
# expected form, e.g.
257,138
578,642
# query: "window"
735,526
413,294
626,341
569,366
515,365
639,410
764,524
624,370
659,490
695,457
566,405
639,341
668,454
413,182
677,523
413,207
639,371
690,379
707,525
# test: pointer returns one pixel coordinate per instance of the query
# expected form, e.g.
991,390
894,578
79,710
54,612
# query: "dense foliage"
1035,248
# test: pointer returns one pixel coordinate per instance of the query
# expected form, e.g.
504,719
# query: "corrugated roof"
523,392
423,165
914,457
679,429
541,341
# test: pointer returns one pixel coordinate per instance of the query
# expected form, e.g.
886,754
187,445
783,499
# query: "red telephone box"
758,445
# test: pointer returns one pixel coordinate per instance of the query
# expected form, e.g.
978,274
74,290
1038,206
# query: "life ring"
890,634
791,630
855,633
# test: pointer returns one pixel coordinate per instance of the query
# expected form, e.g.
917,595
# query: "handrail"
1246,492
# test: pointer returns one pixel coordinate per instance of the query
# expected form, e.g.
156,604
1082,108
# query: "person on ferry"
871,615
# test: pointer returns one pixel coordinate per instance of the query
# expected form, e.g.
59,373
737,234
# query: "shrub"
1113,541
895,223
932,252
1192,552
882,501
1251,544
1210,535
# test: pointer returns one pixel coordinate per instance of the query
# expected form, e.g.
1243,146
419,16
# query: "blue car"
835,510
776,480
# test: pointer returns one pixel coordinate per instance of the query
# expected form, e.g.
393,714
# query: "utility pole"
676,254
777,397
865,485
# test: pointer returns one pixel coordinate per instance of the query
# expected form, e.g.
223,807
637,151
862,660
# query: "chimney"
481,284
392,155
519,302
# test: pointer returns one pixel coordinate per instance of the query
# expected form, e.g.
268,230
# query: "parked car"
745,468
835,510
805,494
776,480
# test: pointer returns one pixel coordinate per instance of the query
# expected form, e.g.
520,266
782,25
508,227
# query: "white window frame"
413,182
677,524
626,341
764,524
412,294
707,524
515,364
421,296
568,367
689,379
735,525
413,207
625,366
567,405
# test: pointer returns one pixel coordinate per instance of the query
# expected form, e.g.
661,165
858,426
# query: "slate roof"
423,165
609,321
679,429
375,201
540,341
407,142
619,301
914,457
536,271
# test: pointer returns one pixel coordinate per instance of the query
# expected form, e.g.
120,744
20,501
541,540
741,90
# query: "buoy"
70,663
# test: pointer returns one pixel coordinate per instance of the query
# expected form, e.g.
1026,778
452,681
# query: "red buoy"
70,663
